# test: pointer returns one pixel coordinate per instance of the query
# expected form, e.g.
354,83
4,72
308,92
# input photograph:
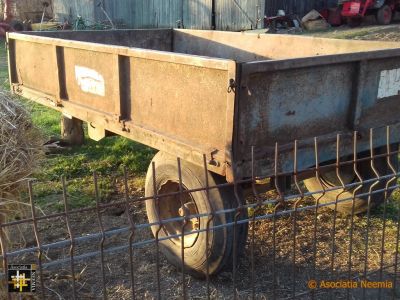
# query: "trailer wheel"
221,240
384,15
329,179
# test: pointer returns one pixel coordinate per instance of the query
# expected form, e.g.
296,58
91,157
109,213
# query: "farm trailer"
239,100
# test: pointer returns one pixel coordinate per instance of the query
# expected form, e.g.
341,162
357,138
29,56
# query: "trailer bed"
191,92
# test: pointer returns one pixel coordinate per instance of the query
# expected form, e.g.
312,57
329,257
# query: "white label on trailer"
90,81
389,83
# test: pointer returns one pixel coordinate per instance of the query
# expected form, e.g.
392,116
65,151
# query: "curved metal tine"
36,232
132,234
103,236
185,222
378,178
235,230
210,219
388,184
3,246
396,255
323,189
333,234
160,226
281,203
389,162
296,205
67,221
278,189
274,281
355,169
253,222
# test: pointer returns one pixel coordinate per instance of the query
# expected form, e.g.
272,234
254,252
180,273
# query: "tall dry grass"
20,151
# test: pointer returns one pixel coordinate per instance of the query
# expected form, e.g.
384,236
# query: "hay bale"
20,149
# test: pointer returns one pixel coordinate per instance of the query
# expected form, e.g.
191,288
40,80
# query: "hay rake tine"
355,137
253,222
281,202
67,221
36,232
296,205
274,281
157,242
371,141
210,219
333,234
132,234
103,236
235,231
396,255
317,202
385,198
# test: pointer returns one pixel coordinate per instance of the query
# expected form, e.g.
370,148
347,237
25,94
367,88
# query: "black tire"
354,21
221,240
330,180
384,15
17,25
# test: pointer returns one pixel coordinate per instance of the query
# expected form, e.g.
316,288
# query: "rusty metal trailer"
188,93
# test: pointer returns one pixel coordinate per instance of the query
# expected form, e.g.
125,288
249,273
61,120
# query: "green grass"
107,157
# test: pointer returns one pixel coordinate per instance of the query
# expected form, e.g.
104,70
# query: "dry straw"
20,149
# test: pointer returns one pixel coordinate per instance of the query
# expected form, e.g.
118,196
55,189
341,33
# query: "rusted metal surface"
117,99
158,39
192,92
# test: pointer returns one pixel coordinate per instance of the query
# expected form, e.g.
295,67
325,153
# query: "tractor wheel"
198,205
354,21
17,25
384,15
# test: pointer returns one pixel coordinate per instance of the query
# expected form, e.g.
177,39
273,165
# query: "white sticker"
389,84
90,81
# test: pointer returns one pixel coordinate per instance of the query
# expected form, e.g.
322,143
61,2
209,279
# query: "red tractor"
9,23
384,10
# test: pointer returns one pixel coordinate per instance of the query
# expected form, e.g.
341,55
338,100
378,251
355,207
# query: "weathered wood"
72,131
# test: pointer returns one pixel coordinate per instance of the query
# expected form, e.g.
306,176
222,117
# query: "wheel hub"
189,209
175,206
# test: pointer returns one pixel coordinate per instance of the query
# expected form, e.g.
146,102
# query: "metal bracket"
232,86
124,127
213,161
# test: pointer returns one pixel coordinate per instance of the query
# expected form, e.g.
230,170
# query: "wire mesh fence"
331,230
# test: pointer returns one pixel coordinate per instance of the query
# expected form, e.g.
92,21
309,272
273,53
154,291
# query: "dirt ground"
280,268
369,31
274,271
